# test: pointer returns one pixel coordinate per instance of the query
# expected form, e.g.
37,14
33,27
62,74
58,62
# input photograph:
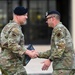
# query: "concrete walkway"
35,65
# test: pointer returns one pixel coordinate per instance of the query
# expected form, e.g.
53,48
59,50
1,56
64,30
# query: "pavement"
35,65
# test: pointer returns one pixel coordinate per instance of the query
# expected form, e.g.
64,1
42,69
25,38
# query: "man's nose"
46,21
26,16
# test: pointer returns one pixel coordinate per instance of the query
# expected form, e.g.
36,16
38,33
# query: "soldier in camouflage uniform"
12,43
61,52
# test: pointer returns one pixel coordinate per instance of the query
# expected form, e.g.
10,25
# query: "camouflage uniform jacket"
12,43
61,52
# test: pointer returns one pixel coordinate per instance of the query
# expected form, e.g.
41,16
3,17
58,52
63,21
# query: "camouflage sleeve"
13,42
58,48
45,54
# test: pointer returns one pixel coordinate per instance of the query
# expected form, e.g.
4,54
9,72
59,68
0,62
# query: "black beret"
20,10
52,12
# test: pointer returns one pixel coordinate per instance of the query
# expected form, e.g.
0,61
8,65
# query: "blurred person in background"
12,43
61,52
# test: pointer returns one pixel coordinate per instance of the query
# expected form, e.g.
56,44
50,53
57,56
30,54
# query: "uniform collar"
58,24
11,21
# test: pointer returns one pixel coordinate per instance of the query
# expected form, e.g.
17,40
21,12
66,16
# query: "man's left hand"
46,65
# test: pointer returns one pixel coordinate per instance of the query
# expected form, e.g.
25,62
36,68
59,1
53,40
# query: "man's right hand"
32,53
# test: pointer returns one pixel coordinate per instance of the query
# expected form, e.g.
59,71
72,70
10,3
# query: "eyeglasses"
49,17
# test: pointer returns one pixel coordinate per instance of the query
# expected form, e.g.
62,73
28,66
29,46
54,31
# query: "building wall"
73,21
36,31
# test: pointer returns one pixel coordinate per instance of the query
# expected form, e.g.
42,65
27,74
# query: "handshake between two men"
32,53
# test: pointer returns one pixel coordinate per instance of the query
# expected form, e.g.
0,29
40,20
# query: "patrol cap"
20,10
52,12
